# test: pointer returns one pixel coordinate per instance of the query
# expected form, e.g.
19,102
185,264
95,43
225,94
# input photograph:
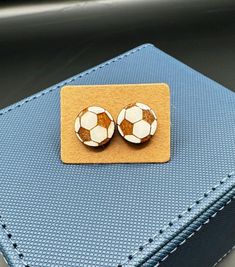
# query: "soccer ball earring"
137,123
94,126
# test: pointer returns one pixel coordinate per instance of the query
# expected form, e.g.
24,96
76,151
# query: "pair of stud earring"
95,126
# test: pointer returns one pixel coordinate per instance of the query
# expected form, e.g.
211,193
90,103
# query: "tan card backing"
114,98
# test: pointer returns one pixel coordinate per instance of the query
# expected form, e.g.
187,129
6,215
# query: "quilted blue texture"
120,214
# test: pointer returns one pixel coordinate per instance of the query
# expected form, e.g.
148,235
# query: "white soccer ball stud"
137,123
94,126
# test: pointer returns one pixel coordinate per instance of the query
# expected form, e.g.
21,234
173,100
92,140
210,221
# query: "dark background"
44,42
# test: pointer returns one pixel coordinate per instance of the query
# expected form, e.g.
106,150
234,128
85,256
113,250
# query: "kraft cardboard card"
113,98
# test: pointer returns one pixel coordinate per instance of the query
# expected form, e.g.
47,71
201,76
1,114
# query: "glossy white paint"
143,106
132,139
141,129
96,110
120,131
91,143
88,120
99,134
77,124
121,116
153,127
111,129
134,114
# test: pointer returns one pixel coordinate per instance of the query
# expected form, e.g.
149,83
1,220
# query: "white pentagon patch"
121,116
99,134
111,129
153,127
89,120
134,114
90,143
132,139
96,110
120,131
141,129
77,124
142,106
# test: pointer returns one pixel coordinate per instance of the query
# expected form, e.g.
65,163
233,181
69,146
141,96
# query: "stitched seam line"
197,230
13,243
73,79
225,255
2,224
175,220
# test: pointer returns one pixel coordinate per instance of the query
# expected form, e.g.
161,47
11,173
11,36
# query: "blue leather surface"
98,215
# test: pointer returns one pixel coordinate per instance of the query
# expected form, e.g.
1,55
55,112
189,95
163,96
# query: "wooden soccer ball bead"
94,126
137,123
